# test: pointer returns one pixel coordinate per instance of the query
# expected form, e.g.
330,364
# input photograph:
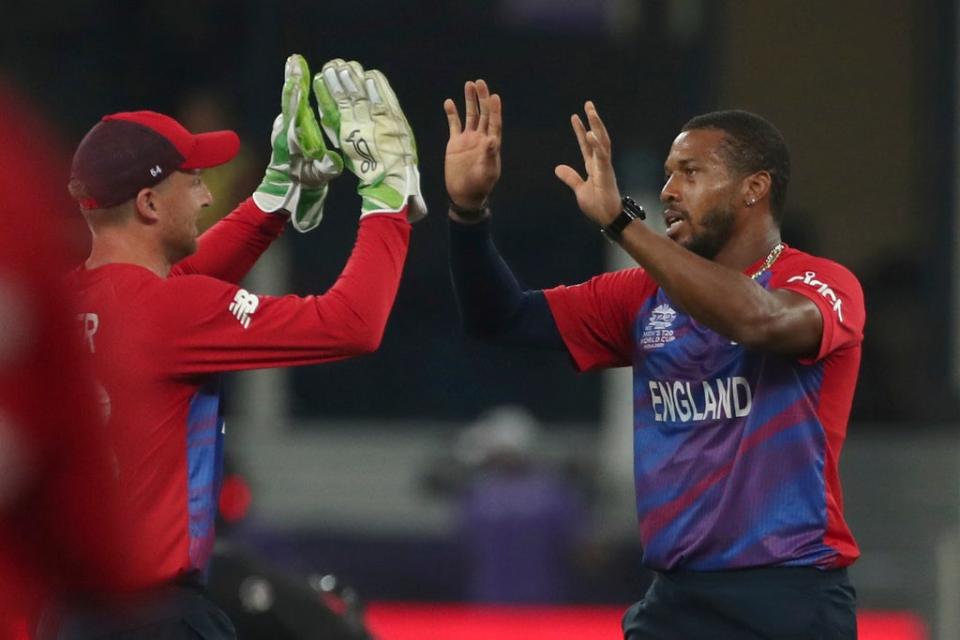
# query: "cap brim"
212,149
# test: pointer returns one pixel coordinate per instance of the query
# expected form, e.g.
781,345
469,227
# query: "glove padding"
300,166
362,117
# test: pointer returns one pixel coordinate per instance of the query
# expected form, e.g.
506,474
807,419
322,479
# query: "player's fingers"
483,98
581,133
598,150
568,176
470,107
352,80
596,123
332,81
496,117
453,118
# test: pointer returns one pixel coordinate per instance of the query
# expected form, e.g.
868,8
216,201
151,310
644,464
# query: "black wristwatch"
631,211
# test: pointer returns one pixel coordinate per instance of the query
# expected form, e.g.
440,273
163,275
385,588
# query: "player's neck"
112,247
749,244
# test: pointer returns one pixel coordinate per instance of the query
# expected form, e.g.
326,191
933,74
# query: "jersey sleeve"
229,249
595,318
835,291
213,326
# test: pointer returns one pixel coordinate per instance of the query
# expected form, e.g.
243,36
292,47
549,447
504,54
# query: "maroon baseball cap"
129,151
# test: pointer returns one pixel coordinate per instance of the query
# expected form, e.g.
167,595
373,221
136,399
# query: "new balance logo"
243,306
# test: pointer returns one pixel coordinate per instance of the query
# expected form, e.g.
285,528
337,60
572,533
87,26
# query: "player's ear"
146,204
755,187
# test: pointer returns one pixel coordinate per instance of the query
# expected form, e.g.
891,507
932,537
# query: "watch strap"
631,211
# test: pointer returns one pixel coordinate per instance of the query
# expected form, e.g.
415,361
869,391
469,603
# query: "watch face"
633,209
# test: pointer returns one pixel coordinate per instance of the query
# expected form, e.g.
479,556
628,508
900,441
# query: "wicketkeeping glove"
300,166
362,117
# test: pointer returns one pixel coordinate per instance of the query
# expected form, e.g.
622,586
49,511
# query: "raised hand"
300,166
472,163
597,195
362,116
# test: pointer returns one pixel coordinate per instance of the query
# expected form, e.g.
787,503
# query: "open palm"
472,162
597,195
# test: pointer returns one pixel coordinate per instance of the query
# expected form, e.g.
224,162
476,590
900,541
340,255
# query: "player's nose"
670,193
207,198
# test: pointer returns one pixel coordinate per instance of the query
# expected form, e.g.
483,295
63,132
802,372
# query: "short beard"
716,229
176,253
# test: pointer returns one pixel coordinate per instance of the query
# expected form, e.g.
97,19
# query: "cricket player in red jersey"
60,529
745,355
162,314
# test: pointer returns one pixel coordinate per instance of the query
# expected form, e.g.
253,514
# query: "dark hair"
751,144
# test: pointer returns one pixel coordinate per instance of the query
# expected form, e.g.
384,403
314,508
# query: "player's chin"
680,236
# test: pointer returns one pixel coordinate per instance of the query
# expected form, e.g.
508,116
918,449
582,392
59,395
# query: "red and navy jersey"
159,343
735,450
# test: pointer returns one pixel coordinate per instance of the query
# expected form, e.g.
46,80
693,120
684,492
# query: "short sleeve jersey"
736,450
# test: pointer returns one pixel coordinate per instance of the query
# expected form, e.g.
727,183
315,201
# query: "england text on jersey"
685,401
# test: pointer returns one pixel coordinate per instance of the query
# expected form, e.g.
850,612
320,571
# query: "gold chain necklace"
771,258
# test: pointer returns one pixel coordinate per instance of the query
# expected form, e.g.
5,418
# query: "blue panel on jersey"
205,467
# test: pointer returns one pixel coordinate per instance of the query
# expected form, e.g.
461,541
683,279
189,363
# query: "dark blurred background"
864,97
864,93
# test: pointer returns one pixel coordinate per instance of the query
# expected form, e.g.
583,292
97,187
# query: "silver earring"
751,202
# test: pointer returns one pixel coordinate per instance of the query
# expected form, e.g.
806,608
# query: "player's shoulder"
793,257
635,277
184,302
625,290
194,288
123,280
797,264
134,286
631,284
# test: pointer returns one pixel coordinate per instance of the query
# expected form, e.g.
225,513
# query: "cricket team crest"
657,333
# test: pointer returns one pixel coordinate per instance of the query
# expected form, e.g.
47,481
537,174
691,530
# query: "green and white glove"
300,166
362,117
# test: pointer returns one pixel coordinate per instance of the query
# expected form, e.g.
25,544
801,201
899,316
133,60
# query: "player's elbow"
777,332
371,342
753,328
356,330
363,340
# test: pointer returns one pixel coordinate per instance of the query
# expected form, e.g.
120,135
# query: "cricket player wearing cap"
744,352
162,314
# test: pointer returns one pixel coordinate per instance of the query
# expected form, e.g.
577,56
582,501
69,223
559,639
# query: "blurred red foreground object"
395,621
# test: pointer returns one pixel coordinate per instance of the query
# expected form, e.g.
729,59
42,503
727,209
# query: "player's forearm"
725,300
362,297
492,304
230,248
487,291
